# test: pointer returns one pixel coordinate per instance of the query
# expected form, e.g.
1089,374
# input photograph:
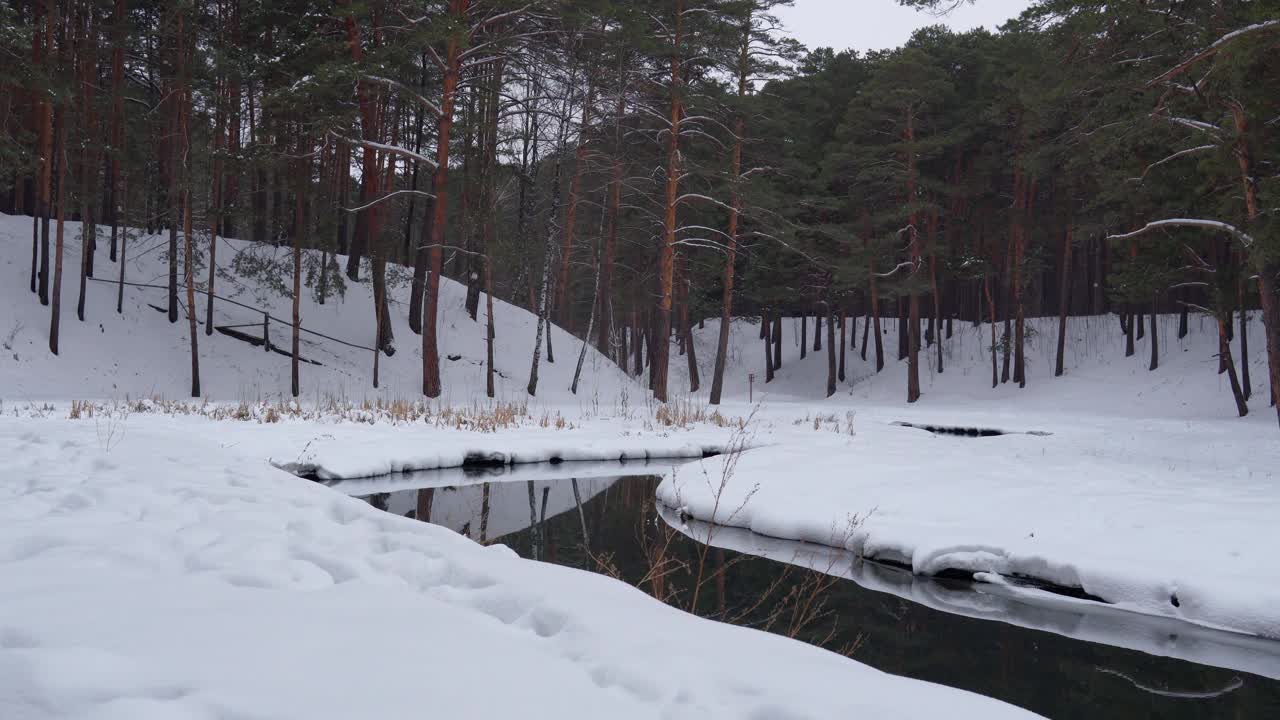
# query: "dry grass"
684,413
830,423
477,417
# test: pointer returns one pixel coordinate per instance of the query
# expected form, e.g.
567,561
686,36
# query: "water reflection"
1060,658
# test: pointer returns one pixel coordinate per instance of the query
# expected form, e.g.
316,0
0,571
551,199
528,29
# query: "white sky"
878,24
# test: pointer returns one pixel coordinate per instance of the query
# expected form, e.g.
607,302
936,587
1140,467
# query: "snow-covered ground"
272,597
171,574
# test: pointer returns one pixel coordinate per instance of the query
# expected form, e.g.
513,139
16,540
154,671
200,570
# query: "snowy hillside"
140,354
1098,377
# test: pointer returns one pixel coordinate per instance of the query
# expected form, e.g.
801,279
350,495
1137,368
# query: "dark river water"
1059,657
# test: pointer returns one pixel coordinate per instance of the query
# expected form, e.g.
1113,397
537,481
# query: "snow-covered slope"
140,354
1098,378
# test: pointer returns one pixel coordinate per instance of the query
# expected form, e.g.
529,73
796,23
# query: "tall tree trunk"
1128,334
936,320
490,329
1224,350
866,333
42,42
173,201
215,215
804,335
117,118
183,169
299,227
440,188
1267,268
611,229
544,296
777,341
56,301
124,242
691,354
768,344
873,312
571,210
666,255
991,310
913,348
1271,326
1064,297
586,339
843,323
831,351
1019,260
1244,340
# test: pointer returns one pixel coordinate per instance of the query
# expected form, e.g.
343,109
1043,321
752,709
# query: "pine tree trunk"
935,322
1271,326
1224,351
430,352
117,119
843,323
611,235
299,226
215,218
991,310
1128,334
172,201
124,242
831,352
866,333
765,325
1155,342
666,255
804,335
56,301
571,211
1064,297
695,382
904,328
490,329
184,173
1244,341
777,341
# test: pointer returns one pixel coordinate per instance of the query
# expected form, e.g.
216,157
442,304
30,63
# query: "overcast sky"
876,24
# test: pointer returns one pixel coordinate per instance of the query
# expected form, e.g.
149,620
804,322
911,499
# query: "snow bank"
1029,608
163,573
371,451
1160,517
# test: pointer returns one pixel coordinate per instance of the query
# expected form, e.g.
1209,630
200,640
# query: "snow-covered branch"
388,196
1175,156
397,85
1216,225
393,149
1216,47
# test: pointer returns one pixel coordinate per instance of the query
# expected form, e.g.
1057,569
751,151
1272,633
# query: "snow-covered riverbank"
1163,517
160,572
